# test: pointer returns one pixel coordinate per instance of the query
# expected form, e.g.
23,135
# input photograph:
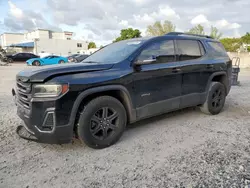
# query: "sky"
101,20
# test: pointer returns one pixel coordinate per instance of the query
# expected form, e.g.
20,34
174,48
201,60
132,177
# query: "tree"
197,30
248,48
231,44
246,38
91,45
214,33
158,29
128,34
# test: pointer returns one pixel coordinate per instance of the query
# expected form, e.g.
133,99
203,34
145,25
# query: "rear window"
189,49
218,48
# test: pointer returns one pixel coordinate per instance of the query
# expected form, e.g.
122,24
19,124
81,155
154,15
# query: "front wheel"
10,60
215,99
36,63
102,122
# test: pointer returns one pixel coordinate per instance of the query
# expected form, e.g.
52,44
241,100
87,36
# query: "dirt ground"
181,149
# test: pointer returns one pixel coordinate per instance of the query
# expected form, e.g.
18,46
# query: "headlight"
53,90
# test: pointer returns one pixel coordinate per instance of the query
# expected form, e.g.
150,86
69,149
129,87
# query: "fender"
129,106
221,73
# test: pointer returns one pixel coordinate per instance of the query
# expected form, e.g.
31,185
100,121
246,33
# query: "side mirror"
145,62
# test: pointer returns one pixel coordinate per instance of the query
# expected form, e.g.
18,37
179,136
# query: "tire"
36,63
91,124
61,62
215,99
10,60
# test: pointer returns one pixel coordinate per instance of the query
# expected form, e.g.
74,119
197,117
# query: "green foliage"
158,29
214,33
128,34
231,44
197,30
246,38
248,48
91,45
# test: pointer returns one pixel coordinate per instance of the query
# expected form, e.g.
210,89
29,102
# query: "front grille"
23,93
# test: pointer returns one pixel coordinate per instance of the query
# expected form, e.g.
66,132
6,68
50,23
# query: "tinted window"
218,48
163,49
27,55
188,49
19,55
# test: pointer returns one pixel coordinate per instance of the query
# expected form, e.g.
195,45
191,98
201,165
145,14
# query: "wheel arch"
219,77
35,61
117,91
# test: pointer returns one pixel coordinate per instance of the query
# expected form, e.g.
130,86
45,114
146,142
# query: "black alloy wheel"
104,123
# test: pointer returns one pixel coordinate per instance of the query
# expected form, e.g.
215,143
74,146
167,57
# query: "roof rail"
188,34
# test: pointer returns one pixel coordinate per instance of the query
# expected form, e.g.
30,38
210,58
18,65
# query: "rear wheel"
61,62
36,63
215,99
102,122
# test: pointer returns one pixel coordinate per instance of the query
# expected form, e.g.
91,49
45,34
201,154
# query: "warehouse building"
43,41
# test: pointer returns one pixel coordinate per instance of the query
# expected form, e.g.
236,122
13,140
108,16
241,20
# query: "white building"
43,41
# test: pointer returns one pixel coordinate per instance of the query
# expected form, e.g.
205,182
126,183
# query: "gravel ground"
180,149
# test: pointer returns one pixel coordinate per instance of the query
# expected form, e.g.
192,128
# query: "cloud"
224,24
164,12
221,24
20,20
102,20
15,11
200,19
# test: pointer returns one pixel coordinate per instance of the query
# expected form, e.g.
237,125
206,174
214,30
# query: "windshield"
115,52
47,57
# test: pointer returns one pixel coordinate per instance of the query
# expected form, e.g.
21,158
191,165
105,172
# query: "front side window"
159,50
188,50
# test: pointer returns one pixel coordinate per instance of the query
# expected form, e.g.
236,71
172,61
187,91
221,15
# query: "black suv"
122,83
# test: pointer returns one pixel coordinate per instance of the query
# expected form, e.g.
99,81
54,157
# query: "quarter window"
189,49
163,51
218,48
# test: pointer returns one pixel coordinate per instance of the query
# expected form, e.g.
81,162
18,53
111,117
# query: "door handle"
175,70
210,66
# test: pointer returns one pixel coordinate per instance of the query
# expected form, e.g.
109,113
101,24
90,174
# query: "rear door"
157,85
190,57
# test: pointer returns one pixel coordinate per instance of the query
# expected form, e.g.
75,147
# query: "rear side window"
218,48
189,49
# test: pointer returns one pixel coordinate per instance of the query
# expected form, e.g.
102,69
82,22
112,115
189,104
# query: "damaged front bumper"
39,122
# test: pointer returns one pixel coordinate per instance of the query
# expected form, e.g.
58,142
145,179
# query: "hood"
40,74
33,59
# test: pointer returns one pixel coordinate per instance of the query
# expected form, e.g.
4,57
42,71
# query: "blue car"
48,60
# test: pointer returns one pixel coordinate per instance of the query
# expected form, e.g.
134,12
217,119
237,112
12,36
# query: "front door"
157,85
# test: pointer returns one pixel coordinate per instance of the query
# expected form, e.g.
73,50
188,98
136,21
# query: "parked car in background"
48,60
20,57
71,58
80,58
